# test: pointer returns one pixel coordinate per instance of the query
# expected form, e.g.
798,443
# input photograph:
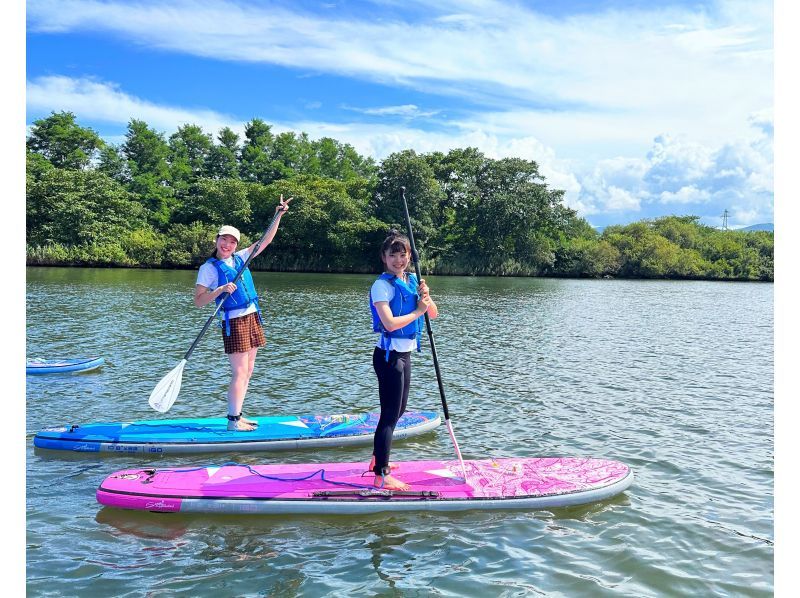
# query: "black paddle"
415,258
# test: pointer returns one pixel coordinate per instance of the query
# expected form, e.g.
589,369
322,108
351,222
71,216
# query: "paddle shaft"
226,295
415,259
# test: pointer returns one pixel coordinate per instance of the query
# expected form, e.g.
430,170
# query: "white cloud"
763,120
406,110
627,75
675,171
692,177
584,95
106,102
675,163
621,199
684,195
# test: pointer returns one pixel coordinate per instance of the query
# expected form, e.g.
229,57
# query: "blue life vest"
404,302
245,293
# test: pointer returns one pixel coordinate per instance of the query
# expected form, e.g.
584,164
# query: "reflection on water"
143,525
673,378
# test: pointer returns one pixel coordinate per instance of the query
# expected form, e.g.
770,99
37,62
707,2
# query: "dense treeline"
156,201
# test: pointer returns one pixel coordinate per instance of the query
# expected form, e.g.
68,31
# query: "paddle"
166,391
415,258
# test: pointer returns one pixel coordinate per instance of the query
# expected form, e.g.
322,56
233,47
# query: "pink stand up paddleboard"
348,488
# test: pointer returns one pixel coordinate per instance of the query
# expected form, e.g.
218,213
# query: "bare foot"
251,422
390,483
240,426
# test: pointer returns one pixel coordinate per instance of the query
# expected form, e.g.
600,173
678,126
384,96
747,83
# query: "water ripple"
674,378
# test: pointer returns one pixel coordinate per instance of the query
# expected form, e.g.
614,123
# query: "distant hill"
765,226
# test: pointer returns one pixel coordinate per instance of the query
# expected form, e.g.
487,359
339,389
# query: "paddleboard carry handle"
375,493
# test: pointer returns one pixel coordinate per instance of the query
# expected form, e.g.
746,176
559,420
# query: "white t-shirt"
208,277
383,290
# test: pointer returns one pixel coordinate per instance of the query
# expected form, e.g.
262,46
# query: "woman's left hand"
283,206
424,291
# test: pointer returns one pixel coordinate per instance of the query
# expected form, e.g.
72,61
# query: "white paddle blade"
166,391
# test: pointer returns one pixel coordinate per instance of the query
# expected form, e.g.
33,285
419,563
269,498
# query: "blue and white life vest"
404,302
245,293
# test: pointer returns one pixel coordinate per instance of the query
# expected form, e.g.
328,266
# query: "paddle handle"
415,259
235,280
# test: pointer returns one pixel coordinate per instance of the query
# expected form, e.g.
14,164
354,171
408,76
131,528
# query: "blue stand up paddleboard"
171,436
60,366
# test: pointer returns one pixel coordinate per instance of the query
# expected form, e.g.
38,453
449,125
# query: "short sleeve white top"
207,276
383,290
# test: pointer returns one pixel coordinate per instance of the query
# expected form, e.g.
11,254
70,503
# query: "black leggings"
394,378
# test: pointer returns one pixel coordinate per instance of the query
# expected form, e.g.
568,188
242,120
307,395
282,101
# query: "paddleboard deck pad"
34,366
174,436
345,488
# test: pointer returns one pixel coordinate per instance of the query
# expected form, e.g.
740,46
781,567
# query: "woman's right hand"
226,288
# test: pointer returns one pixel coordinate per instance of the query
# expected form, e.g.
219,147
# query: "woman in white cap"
242,331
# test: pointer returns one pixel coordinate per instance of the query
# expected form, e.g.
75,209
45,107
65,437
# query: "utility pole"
725,220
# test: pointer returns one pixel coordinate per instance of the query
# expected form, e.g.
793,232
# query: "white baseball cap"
230,230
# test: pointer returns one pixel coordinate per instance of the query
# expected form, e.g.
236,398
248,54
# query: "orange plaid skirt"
246,334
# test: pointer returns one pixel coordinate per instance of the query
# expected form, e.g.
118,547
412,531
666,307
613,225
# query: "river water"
673,378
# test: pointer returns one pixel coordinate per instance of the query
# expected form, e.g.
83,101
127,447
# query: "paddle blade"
166,391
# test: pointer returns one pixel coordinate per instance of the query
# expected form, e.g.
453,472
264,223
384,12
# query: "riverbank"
259,267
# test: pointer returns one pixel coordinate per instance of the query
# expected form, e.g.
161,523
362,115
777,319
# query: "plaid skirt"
246,334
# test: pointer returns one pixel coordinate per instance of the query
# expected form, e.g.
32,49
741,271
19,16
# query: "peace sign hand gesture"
283,206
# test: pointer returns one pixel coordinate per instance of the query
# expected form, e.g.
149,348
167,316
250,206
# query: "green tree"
327,151
147,152
114,164
586,256
63,142
73,207
341,161
223,160
354,164
218,201
517,216
153,202
189,149
144,246
36,165
423,195
684,231
457,174
290,155
256,160
189,244
763,242
327,227
673,247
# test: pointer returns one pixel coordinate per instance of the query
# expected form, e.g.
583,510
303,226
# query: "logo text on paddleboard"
160,505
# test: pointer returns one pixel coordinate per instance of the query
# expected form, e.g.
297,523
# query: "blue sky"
636,109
